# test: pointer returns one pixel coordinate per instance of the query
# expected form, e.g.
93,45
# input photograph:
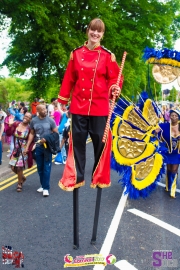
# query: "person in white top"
51,106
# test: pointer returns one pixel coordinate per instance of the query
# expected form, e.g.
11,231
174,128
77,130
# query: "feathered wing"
135,148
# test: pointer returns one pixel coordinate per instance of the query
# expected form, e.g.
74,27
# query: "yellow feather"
158,161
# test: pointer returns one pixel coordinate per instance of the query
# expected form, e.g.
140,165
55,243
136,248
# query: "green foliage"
173,95
13,89
45,32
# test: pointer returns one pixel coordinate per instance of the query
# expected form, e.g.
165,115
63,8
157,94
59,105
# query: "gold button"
90,90
91,80
82,68
89,100
82,79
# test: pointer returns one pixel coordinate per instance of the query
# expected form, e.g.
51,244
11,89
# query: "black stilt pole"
96,215
76,217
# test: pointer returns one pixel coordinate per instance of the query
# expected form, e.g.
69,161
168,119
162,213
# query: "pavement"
5,170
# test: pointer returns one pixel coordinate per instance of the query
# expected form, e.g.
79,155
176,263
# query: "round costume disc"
164,73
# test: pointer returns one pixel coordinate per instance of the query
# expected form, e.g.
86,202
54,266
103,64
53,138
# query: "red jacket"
90,76
33,107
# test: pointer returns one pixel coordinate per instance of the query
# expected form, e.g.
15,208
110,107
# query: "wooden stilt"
76,217
96,215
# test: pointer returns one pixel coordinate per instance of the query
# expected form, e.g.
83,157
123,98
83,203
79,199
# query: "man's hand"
42,140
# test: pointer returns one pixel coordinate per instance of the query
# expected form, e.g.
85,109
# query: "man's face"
42,111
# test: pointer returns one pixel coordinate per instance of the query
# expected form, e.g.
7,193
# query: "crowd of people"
24,130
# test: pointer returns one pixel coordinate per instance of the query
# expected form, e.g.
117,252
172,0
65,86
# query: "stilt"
96,215
76,217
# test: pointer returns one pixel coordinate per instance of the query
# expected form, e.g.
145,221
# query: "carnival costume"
135,147
166,69
139,154
89,80
170,150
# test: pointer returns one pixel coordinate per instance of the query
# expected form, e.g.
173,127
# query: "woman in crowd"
17,159
170,134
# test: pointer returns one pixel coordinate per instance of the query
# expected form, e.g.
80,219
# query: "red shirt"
90,76
33,107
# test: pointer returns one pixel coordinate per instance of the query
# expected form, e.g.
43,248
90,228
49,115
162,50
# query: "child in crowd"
64,129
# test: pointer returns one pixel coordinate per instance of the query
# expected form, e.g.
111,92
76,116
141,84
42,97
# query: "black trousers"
81,127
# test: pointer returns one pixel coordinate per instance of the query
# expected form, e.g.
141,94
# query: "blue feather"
125,172
164,53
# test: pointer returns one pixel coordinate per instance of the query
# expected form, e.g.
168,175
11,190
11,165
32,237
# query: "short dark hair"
25,110
53,99
22,104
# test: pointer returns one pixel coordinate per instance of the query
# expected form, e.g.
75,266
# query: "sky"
5,42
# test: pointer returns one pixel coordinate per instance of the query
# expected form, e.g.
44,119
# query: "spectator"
6,124
41,126
1,132
17,159
64,119
166,115
19,115
64,143
51,106
65,139
3,135
20,105
56,115
33,107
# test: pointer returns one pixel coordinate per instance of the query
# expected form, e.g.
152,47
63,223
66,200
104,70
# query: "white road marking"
163,185
156,221
106,247
124,265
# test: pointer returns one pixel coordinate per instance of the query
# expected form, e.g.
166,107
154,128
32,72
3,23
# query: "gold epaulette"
71,56
113,57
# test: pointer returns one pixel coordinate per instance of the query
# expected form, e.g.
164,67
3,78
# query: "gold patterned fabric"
125,130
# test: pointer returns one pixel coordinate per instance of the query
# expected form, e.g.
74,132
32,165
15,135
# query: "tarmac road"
42,228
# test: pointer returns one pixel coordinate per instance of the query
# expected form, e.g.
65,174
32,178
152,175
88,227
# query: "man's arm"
1,130
55,129
30,139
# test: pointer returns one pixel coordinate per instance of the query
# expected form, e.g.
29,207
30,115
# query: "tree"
44,32
173,95
13,89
